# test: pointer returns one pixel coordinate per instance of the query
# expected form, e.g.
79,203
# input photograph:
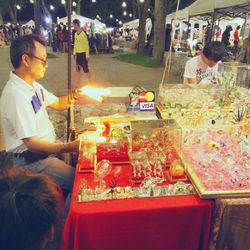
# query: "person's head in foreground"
29,210
213,52
29,57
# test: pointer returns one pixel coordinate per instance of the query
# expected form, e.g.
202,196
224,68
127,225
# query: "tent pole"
69,10
37,7
244,26
211,33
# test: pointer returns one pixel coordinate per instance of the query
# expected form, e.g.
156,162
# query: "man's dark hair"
29,207
76,22
214,51
22,45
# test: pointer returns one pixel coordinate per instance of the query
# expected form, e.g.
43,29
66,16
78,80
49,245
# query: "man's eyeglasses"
43,61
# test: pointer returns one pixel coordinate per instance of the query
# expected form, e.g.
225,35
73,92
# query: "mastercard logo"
147,96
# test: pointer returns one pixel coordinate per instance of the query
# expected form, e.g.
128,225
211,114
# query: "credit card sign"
147,101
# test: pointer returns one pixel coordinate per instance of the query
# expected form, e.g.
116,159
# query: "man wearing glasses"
27,130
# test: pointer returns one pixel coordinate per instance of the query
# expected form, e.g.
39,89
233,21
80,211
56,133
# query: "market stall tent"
134,24
180,15
30,23
201,7
99,25
82,19
220,12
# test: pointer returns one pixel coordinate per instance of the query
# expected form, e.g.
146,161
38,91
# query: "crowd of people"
9,32
240,49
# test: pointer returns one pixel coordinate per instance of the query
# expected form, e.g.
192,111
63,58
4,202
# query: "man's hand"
76,94
191,80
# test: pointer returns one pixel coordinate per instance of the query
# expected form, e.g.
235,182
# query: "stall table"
172,222
231,224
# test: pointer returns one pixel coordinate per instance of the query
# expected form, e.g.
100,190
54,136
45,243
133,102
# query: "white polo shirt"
23,113
196,68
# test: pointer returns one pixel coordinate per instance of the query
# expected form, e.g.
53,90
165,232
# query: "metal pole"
69,9
211,33
37,12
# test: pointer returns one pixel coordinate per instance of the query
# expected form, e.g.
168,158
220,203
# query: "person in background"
54,38
65,39
244,54
236,37
2,37
226,36
30,214
168,34
27,130
203,68
59,37
81,51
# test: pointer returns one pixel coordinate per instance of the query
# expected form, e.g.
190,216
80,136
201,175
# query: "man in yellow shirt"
81,51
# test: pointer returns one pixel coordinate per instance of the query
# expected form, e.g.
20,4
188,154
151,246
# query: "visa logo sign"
145,106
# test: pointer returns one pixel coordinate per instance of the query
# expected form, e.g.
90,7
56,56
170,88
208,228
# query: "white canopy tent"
30,23
233,11
181,15
201,7
134,24
82,19
99,26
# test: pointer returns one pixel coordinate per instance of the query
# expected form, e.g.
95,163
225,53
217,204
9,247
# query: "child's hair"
214,50
29,210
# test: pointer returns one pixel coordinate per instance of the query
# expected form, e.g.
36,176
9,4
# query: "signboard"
147,101
141,100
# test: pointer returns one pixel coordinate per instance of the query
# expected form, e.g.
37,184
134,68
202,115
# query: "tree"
142,11
159,29
3,9
78,7
13,10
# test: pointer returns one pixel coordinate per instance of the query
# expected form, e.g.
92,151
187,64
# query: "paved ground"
104,68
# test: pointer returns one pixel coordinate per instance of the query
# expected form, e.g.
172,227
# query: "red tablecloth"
181,222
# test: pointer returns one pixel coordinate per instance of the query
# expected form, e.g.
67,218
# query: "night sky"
103,8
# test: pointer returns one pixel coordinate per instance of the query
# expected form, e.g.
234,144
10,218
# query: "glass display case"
215,122
233,74
107,140
218,162
155,145
212,106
